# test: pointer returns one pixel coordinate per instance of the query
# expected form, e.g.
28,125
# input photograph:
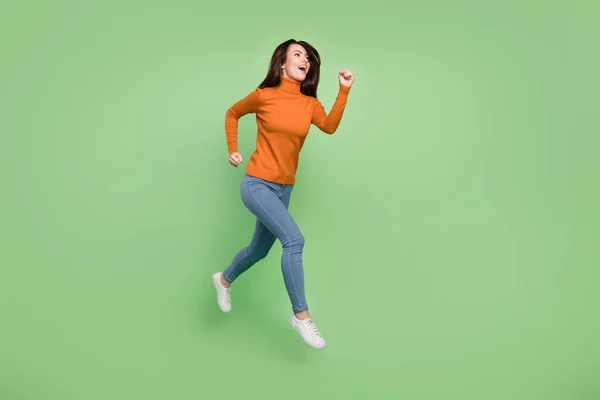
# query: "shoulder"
264,93
256,95
313,101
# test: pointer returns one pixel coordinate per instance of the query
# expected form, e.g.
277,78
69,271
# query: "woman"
286,105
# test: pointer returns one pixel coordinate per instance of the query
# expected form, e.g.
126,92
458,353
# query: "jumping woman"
286,105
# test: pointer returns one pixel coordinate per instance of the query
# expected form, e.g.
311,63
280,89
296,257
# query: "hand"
235,159
346,77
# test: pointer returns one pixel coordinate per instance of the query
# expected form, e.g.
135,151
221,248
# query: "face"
296,65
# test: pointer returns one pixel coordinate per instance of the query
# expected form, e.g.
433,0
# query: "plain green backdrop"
451,221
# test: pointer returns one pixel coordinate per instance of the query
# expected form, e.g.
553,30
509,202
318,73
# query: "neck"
289,85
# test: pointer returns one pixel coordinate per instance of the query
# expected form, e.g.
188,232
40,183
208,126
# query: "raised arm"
247,105
329,123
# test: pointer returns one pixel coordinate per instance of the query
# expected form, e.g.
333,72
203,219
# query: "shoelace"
312,328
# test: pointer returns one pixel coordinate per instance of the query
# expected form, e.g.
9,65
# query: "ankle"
224,282
302,315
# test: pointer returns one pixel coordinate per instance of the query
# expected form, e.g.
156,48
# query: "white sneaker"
308,332
223,293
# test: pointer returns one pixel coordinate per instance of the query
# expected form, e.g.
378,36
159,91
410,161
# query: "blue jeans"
269,202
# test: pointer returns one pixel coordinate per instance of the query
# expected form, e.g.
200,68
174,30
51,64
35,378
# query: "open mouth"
303,68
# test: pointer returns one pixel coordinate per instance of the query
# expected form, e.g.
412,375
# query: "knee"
258,253
296,241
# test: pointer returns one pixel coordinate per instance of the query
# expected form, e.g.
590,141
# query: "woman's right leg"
259,247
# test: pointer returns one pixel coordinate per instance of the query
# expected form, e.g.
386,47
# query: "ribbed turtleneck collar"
289,85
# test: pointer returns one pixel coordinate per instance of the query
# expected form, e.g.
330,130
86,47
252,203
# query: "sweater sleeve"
329,123
247,105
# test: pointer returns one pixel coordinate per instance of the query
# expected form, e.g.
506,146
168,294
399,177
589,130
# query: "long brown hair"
310,83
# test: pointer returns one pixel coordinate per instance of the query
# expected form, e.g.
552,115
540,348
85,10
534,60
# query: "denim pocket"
253,183
250,185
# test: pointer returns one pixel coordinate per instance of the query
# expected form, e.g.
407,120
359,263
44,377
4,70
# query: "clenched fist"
346,77
235,159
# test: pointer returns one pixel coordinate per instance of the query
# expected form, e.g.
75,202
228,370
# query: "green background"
451,222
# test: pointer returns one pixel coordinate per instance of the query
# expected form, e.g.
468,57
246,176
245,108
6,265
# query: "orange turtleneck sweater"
283,117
